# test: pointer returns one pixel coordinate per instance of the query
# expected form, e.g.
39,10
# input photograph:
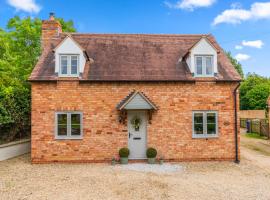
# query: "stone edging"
15,142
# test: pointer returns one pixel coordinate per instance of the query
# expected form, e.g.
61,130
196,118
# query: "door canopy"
136,101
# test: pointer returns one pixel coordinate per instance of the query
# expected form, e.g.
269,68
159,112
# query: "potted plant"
151,154
124,153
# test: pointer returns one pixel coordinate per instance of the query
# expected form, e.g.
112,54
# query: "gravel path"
202,180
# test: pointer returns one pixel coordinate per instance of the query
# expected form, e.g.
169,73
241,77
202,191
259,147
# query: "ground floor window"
68,125
205,124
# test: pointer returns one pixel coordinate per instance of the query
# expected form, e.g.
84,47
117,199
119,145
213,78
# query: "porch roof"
136,101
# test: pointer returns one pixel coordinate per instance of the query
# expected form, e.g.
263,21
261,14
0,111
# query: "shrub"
124,152
151,152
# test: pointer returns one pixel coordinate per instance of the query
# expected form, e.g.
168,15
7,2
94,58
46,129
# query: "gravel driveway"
203,180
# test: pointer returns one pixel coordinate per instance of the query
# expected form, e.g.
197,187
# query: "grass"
255,135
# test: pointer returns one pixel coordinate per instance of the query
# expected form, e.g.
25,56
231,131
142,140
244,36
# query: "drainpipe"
236,124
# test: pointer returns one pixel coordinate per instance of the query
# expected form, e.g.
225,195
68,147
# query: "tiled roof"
134,57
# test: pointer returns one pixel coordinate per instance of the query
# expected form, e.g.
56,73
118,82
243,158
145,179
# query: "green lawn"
255,135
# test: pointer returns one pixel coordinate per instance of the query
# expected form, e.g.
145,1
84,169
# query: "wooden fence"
252,114
260,126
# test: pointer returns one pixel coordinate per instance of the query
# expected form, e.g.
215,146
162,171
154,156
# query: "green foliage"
255,135
151,152
254,92
67,26
236,64
20,49
124,152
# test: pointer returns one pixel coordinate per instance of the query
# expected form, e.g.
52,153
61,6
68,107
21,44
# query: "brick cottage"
93,94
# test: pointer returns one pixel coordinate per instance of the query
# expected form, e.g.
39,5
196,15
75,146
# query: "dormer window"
204,66
69,65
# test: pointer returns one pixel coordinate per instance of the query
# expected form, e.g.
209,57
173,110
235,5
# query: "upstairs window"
204,66
205,124
69,65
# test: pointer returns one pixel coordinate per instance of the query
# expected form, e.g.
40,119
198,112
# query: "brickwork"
50,29
170,131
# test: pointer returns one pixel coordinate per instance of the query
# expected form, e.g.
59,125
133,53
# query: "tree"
20,48
254,92
236,64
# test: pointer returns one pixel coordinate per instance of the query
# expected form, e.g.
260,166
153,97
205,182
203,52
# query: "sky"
240,26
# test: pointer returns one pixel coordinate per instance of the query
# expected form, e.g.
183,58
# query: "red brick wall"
170,131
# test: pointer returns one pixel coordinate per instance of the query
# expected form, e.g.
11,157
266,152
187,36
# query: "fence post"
251,126
260,125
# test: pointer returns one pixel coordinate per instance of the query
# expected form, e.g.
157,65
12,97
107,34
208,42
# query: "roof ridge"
138,34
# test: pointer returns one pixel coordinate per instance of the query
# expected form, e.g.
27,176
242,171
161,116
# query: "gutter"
236,125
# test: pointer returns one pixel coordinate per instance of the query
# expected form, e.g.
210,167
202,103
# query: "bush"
124,152
151,152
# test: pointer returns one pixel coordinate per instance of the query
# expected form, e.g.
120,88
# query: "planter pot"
124,161
161,162
151,160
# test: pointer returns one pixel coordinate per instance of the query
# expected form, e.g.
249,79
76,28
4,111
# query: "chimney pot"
51,29
51,16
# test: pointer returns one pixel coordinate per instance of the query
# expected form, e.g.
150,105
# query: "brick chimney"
51,28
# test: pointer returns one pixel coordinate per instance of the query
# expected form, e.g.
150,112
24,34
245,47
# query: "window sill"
205,137
69,138
68,76
202,76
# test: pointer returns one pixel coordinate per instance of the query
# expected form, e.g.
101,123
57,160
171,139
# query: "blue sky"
242,27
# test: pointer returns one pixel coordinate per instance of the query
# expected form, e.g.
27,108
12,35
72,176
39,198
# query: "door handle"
129,134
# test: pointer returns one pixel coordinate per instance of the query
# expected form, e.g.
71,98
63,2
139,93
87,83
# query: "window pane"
198,118
62,124
199,65
211,123
75,124
209,65
198,123
74,64
211,117
211,129
198,128
64,63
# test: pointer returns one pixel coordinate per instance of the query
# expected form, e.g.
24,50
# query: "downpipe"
236,125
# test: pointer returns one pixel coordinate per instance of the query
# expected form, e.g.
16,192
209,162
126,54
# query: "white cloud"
255,43
190,4
238,47
25,5
236,15
242,57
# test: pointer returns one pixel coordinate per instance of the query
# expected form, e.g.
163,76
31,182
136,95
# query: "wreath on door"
136,122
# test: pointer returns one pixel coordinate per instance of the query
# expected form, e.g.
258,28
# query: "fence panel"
260,126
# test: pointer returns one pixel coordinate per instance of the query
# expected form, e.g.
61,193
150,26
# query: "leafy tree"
236,64
20,48
254,92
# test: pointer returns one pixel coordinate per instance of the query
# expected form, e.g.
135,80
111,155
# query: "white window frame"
204,135
204,66
69,65
69,136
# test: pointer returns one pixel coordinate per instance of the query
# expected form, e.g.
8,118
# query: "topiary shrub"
151,152
124,152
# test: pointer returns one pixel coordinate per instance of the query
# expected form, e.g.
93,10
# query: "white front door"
137,135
